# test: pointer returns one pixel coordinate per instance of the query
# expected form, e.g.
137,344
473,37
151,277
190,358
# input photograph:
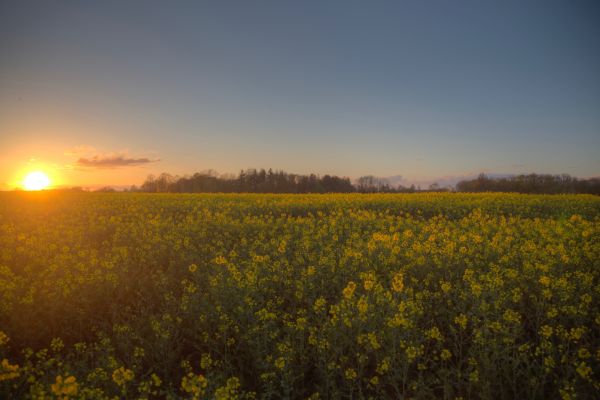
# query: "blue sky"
422,89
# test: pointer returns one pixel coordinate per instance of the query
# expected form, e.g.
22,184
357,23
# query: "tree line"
269,181
266,181
532,183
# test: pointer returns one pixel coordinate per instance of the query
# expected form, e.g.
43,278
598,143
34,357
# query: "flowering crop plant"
254,296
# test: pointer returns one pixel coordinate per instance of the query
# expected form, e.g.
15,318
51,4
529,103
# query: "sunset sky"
107,92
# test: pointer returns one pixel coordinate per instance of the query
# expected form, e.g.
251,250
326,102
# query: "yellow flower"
435,334
156,381
229,391
461,320
57,345
476,289
122,375
411,353
8,370
3,338
220,260
445,354
549,363
369,280
349,290
362,305
206,361
583,353
474,376
350,374
139,352
193,268
576,333
445,286
546,331
584,370
398,282
512,316
280,363
319,304
63,388
383,367
194,384
371,339
567,393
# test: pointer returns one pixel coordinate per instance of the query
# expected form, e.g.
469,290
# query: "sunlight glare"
36,180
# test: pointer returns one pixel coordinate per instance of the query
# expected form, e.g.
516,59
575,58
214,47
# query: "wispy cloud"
112,161
90,158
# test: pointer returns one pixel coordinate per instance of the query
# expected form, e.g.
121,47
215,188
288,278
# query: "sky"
108,92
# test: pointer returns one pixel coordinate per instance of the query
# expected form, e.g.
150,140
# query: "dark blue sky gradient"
417,88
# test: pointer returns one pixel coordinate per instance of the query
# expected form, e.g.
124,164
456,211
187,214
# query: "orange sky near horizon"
53,146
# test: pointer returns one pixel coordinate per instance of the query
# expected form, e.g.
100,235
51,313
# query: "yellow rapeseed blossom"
350,374
546,331
349,290
445,286
122,375
230,391
319,304
435,334
412,353
8,370
398,282
445,354
194,385
64,388
3,338
511,316
383,366
156,381
280,363
544,280
369,281
583,353
474,376
206,361
362,305
461,320
576,333
220,260
584,370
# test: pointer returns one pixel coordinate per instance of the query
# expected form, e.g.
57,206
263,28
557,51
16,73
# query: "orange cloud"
112,161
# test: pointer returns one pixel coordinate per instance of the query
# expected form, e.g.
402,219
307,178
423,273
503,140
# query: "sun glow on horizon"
36,180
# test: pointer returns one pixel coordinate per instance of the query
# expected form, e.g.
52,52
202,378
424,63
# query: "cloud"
112,161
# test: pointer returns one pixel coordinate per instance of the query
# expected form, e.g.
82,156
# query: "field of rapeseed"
299,296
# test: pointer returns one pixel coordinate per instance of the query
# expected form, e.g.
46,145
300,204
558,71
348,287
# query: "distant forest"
263,181
269,181
532,183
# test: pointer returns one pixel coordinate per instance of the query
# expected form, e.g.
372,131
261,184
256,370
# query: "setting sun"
36,181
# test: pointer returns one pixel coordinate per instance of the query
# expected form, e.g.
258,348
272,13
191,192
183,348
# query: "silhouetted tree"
532,183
